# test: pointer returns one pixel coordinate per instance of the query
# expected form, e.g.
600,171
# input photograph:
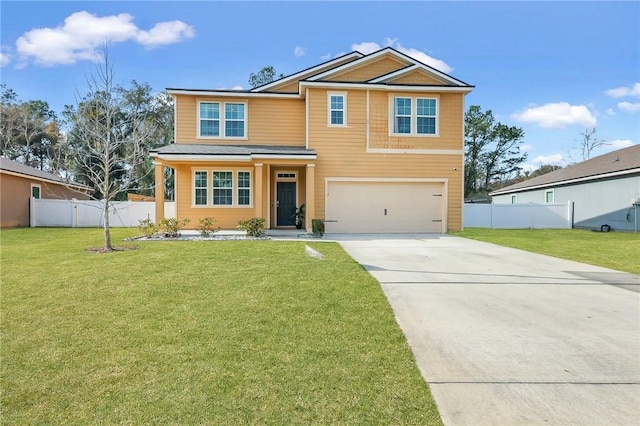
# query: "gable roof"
309,71
14,167
319,76
408,60
621,162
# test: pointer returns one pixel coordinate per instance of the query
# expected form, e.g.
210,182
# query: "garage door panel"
390,207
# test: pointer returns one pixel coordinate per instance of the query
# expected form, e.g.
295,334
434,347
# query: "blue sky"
552,68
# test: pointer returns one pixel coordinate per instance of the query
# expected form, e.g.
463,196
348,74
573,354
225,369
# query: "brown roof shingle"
625,159
15,167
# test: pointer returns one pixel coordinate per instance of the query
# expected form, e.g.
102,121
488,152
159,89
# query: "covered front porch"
238,182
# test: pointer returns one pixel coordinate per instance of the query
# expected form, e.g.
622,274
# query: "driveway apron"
507,337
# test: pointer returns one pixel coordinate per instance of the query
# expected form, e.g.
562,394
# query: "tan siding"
286,88
269,121
228,217
417,77
292,87
341,151
449,123
369,70
15,192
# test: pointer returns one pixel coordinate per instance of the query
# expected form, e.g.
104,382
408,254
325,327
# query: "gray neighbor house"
605,190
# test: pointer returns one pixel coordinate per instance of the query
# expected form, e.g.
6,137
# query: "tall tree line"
32,133
492,152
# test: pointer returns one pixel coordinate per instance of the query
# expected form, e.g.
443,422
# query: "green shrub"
317,227
254,227
147,227
171,226
206,227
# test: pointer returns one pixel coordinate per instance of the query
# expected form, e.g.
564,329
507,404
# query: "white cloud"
236,87
621,92
629,107
556,115
5,58
553,159
610,111
163,33
299,51
325,57
83,33
619,143
371,46
526,148
366,47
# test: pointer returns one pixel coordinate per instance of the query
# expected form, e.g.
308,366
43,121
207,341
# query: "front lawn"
198,332
615,250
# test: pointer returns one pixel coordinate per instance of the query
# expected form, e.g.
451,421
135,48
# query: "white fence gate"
88,213
518,216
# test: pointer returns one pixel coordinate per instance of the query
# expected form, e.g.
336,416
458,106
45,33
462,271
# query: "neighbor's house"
605,190
18,183
369,143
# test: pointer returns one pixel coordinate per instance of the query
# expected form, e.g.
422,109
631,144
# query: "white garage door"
394,207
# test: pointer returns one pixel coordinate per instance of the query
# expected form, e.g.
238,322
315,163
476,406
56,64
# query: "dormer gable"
387,66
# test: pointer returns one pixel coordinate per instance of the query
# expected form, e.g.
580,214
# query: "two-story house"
368,143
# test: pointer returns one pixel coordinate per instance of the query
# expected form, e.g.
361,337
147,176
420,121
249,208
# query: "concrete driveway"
507,337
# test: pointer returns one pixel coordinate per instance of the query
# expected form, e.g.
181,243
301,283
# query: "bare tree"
589,143
107,139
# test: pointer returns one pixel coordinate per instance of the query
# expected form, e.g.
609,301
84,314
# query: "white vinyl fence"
88,213
518,216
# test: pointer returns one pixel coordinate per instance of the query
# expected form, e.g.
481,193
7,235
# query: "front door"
286,203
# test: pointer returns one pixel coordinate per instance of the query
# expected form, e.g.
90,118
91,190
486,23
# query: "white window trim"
553,196
289,172
193,194
414,116
238,188
35,185
344,109
213,189
234,188
223,120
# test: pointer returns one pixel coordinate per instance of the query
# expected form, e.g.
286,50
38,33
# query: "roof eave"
505,191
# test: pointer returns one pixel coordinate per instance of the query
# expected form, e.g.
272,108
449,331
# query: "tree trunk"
107,230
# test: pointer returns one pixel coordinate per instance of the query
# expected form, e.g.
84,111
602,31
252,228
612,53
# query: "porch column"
310,208
257,198
159,192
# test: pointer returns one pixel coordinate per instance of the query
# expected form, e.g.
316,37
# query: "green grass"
615,250
228,332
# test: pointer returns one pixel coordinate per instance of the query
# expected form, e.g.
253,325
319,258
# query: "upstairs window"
234,120
212,125
209,119
402,115
415,116
426,116
337,109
